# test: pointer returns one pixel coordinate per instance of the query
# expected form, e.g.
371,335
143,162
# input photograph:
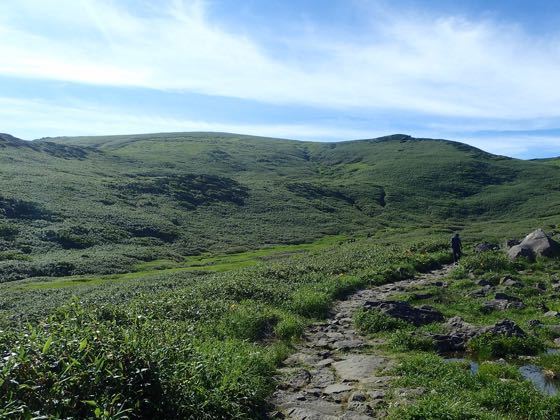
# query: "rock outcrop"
417,316
537,243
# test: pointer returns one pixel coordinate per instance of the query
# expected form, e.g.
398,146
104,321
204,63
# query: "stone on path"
358,367
417,316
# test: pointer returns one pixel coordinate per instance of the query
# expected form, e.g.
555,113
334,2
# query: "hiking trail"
335,372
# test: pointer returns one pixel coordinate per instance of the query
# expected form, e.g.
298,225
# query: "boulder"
484,283
500,305
486,246
537,243
519,251
505,327
480,292
461,332
509,282
534,323
512,242
504,296
417,316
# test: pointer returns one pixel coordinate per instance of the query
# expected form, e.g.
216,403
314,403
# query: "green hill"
78,205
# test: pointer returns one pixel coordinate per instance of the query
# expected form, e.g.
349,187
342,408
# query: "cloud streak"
55,120
446,67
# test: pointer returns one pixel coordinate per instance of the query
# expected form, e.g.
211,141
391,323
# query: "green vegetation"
496,391
169,274
490,346
371,321
188,344
101,205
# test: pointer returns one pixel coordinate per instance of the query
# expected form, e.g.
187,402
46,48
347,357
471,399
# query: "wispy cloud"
55,120
449,66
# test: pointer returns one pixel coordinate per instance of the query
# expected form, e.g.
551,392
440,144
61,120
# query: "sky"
482,72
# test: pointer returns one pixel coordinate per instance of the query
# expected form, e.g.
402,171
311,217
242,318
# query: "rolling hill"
78,205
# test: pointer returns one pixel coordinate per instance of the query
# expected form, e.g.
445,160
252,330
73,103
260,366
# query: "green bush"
484,262
311,303
487,346
290,326
409,340
550,362
249,320
372,321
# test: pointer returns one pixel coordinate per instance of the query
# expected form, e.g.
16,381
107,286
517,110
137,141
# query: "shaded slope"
103,203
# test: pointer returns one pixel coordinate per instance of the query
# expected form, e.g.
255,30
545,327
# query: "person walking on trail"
456,246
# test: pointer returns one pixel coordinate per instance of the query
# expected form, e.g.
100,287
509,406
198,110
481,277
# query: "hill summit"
80,204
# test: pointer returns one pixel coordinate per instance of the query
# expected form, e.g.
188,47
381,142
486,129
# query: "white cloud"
446,67
55,120
51,120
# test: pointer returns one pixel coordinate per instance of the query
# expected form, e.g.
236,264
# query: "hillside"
102,204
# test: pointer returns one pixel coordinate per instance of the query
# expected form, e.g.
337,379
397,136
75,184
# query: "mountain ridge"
122,199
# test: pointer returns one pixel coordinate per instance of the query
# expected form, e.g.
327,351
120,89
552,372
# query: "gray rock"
509,282
348,344
312,410
417,316
377,394
298,380
322,378
359,367
460,333
505,327
501,305
480,292
324,362
551,314
486,246
484,283
536,243
504,296
358,396
512,242
519,251
439,284
337,389
534,323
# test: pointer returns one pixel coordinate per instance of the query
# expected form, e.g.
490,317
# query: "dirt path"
335,372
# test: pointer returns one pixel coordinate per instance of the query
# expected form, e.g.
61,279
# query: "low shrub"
487,346
311,303
407,340
372,321
484,262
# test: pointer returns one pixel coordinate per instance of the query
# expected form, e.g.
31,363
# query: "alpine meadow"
261,245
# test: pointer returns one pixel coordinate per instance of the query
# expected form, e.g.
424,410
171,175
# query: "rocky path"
335,372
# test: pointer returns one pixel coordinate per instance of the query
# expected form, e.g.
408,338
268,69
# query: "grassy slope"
102,204
172,337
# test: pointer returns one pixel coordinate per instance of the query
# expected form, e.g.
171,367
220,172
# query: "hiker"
456,246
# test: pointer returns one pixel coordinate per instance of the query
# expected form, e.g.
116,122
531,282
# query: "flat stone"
348,344
300,358
337,389
324,362
359,367
377,394
313,410
552,314
298,380
322,378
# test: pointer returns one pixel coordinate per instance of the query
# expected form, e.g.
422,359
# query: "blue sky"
483,72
